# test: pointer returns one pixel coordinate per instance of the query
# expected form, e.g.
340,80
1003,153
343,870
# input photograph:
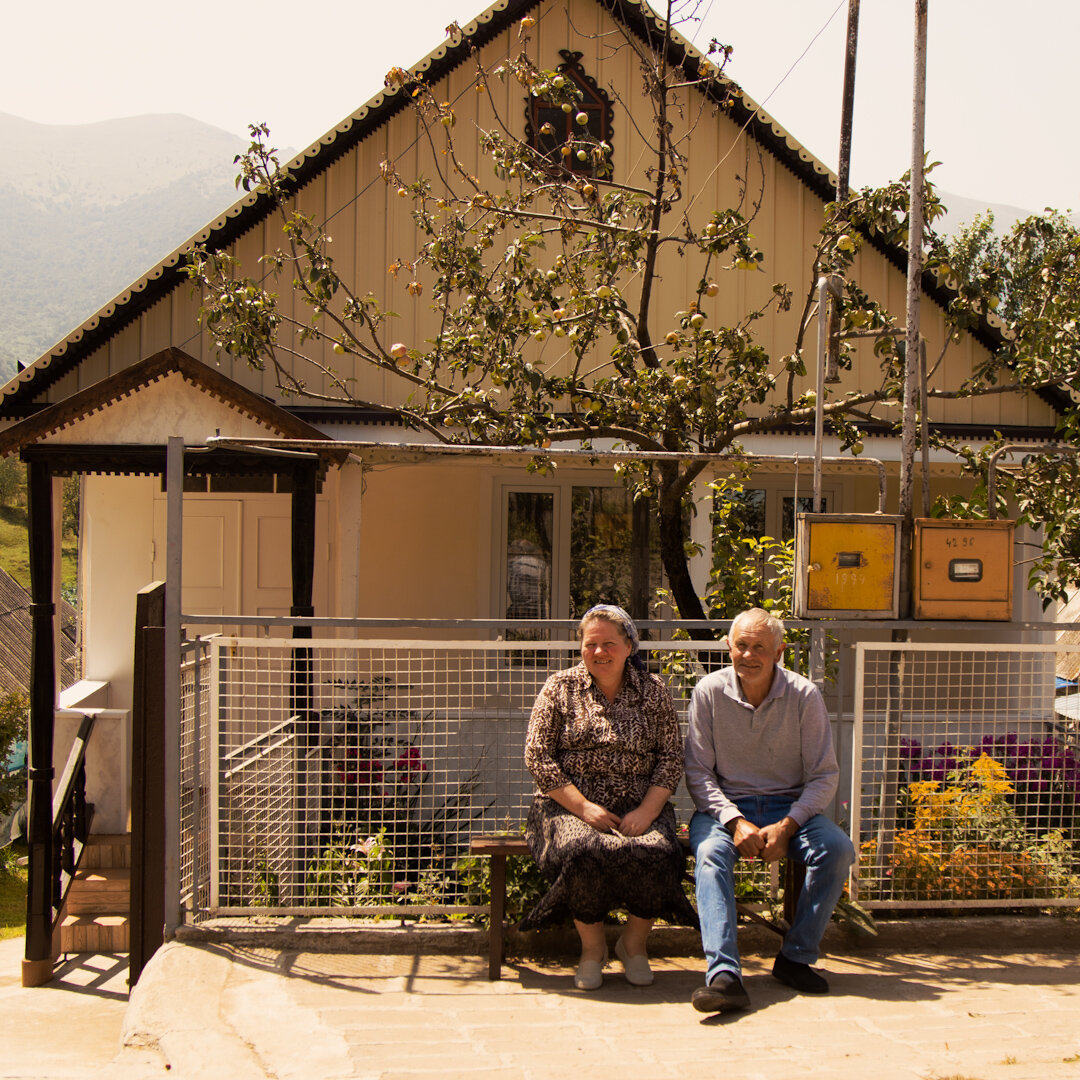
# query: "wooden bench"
497,846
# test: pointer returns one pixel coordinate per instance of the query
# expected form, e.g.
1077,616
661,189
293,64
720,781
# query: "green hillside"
86,209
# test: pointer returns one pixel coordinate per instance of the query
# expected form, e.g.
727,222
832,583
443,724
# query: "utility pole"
914,292
847,111
829,292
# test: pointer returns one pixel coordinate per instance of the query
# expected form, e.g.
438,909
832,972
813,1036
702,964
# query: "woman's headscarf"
615,614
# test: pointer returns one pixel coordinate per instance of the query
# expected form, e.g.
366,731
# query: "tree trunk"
673,547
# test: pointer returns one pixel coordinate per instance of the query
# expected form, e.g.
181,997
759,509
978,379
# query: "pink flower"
410,762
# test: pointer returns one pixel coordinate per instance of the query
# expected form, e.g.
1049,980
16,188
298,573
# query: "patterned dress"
613,752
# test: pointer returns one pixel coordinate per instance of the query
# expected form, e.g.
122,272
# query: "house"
395,532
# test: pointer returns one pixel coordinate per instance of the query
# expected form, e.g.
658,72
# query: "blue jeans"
820,845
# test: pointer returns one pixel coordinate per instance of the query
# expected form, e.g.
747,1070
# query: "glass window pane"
806,506
753,510
528,556
601,540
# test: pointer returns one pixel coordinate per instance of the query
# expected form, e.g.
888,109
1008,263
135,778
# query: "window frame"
562,490
595,103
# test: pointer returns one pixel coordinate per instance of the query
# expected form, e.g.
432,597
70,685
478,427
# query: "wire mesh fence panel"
967,776
349,775
195,686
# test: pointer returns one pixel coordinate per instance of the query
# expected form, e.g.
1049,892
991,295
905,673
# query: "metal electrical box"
962,569
847,565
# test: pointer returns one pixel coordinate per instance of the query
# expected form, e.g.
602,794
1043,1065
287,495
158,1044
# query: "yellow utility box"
847,565
962,569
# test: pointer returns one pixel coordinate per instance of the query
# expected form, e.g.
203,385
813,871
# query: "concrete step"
100,891
95,934
107,850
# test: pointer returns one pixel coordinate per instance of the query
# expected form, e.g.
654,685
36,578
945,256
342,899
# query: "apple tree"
542,269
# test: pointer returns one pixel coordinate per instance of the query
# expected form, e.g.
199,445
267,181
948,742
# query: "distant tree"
543,279
14,718
12,479
1032,277
70,499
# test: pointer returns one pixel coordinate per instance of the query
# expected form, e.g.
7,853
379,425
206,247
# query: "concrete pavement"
977,999
69,1028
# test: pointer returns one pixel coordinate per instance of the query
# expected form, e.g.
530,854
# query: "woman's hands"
570,798
639,820
636,823
598,817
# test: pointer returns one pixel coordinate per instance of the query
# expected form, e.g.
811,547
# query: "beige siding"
372,227
425,549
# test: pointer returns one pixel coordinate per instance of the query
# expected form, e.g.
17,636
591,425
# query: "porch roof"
168,362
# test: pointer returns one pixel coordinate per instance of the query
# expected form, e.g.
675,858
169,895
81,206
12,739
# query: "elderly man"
760,768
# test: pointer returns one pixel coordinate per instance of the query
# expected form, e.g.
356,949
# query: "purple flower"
910,749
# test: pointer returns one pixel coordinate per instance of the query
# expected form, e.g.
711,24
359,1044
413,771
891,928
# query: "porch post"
303,580
303,544
174,562
39,956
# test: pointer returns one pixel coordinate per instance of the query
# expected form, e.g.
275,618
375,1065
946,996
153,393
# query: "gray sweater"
783,747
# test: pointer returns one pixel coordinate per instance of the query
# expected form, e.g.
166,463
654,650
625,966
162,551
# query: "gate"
967,777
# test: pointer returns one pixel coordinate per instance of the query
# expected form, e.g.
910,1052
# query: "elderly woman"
605,752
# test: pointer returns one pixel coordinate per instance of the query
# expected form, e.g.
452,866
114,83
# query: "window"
581,149
571,546
766,510
769,511
529,548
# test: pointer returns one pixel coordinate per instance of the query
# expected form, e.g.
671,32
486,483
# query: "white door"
238,555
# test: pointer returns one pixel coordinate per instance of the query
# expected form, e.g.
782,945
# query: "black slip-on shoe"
724,994
801,977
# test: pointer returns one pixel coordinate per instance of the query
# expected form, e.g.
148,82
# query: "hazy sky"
1001,88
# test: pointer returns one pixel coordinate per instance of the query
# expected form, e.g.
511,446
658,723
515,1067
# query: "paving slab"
71,1027
1001,1002
910,1015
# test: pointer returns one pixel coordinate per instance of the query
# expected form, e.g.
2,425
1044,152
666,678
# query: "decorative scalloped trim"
316,148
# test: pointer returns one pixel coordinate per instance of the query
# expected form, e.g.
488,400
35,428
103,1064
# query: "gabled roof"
166,363
16,398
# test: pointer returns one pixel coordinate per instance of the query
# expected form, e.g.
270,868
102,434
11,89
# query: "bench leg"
794,876
496,914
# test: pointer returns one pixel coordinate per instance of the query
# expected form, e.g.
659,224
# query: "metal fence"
195,771
363,798
968,777
345,776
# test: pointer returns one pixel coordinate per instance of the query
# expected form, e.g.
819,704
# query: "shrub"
966,840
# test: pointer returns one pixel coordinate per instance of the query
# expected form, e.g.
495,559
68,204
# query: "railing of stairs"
72,815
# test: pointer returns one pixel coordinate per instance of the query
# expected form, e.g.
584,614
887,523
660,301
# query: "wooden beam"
39,952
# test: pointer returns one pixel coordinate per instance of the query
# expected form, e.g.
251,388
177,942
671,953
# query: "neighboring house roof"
16,398
1068,663
162,365
15,634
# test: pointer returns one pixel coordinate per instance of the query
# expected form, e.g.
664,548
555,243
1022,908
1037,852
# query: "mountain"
963,211
86,209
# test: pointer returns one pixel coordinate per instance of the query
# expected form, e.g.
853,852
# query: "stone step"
100,934
100,891
107,850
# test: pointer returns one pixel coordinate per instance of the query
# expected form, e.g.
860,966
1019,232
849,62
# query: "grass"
12,898
15,550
